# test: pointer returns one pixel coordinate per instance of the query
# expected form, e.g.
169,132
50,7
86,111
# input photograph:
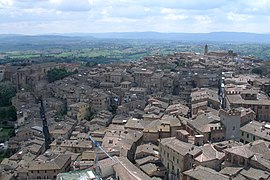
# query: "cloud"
71,5
133,15
203,19
238,17
175,17
5,3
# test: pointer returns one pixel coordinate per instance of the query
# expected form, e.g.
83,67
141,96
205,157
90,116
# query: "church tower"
206,49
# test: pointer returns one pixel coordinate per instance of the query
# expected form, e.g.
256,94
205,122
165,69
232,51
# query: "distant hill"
214,36
16,38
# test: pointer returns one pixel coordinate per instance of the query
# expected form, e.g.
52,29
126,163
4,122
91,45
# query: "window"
233,128
173,158
253,138
177,161
247,135
242,133
266,107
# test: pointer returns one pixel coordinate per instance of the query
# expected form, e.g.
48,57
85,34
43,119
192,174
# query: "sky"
96,16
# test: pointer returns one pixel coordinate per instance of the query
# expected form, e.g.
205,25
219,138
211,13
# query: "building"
231,120
50,168
249,98
156,130
122,141
205,94
75,146
142,76
206,49
145,150
255,154
99,101
78,110
254,131
116,76
178,156
61,129
139,92
208,125
177,109
102,118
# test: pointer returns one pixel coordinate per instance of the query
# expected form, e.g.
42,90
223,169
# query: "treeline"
57,74
7,91
8,114
262,71
7,111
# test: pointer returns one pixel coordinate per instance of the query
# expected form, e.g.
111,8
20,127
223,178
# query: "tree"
7,91
3,113
259,70
112,108
91,64
12,113
57,74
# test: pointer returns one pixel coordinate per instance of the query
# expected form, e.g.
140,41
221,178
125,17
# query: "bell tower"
206,49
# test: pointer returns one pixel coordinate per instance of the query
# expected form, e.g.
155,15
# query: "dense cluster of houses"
181,116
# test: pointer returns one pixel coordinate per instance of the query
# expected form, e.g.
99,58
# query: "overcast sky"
87,16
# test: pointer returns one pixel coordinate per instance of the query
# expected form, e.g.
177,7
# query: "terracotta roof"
179,146
145,160
253,173
56,163
149,168
255,128
241,151
209,153
231,171
134,123
205,173
126,170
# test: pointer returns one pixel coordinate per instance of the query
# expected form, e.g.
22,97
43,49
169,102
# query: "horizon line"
113,32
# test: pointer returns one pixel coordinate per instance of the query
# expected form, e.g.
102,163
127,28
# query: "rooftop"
180,147
126,170
258,129
205,173
56,163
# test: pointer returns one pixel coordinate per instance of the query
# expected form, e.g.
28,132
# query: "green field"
114,50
